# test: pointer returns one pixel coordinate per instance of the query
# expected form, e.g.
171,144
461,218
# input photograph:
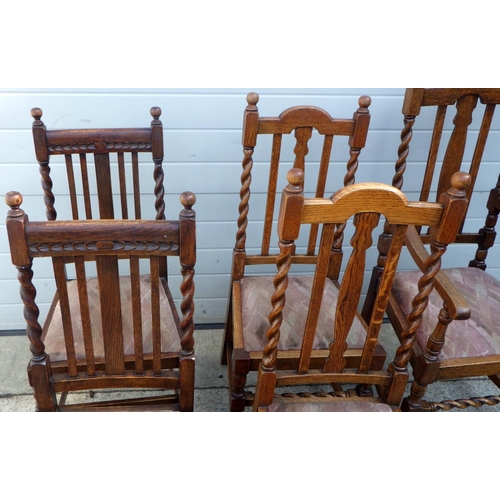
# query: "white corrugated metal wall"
202,131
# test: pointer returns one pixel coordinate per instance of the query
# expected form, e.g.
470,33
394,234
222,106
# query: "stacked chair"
113,323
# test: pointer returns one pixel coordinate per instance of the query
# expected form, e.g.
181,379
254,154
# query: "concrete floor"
211,377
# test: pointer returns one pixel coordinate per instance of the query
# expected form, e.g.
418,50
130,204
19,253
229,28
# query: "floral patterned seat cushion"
54,341
331,406
256,295
477,336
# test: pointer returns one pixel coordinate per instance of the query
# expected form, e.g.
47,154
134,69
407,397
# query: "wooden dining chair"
460,332
104,168
249,290
337,296
119,330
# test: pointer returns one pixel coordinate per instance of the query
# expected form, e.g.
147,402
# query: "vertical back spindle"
69,341
433,152
317,290
271,193
136,184
137,314
155,314
382,297
320,188
72,186
480,145
123,185
85,186
85,314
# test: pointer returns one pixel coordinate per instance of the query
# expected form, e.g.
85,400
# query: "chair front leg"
239,367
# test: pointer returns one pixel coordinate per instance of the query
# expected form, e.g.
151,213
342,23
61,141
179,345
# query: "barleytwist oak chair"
248,292
460,332
103,171
119,330
365,203
116,154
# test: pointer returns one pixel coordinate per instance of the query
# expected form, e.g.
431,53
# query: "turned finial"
37,113
364,102
252,100
155,112
460,181
188,199
295,178
14,200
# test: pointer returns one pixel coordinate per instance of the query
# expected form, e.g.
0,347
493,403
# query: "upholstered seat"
256,295
332,406
170,340
478,336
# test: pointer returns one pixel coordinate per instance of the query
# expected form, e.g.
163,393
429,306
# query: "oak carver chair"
249,288
365,203
103,168
119,330
460,332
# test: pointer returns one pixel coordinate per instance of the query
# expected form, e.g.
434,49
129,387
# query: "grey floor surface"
211,377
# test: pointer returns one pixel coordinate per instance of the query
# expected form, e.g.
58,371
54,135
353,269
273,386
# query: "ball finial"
36,113
364,101
460,181
155,112
253,98
295,177
14,199
188,199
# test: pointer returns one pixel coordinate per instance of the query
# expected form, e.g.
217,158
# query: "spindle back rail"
113,152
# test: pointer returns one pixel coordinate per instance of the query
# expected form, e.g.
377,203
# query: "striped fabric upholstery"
478,336
256,295
54,343
331,406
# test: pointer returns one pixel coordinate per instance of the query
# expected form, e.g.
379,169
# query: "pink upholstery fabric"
478,336
333,406
256,298
54,343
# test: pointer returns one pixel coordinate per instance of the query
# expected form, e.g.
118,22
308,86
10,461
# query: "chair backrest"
110,243
83,147
471,107
302,120
365,203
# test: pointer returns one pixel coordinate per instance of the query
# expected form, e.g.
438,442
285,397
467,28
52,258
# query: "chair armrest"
458,307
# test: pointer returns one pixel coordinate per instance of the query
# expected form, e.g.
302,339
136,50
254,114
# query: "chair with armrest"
119,330
250,287
363,204
460,333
